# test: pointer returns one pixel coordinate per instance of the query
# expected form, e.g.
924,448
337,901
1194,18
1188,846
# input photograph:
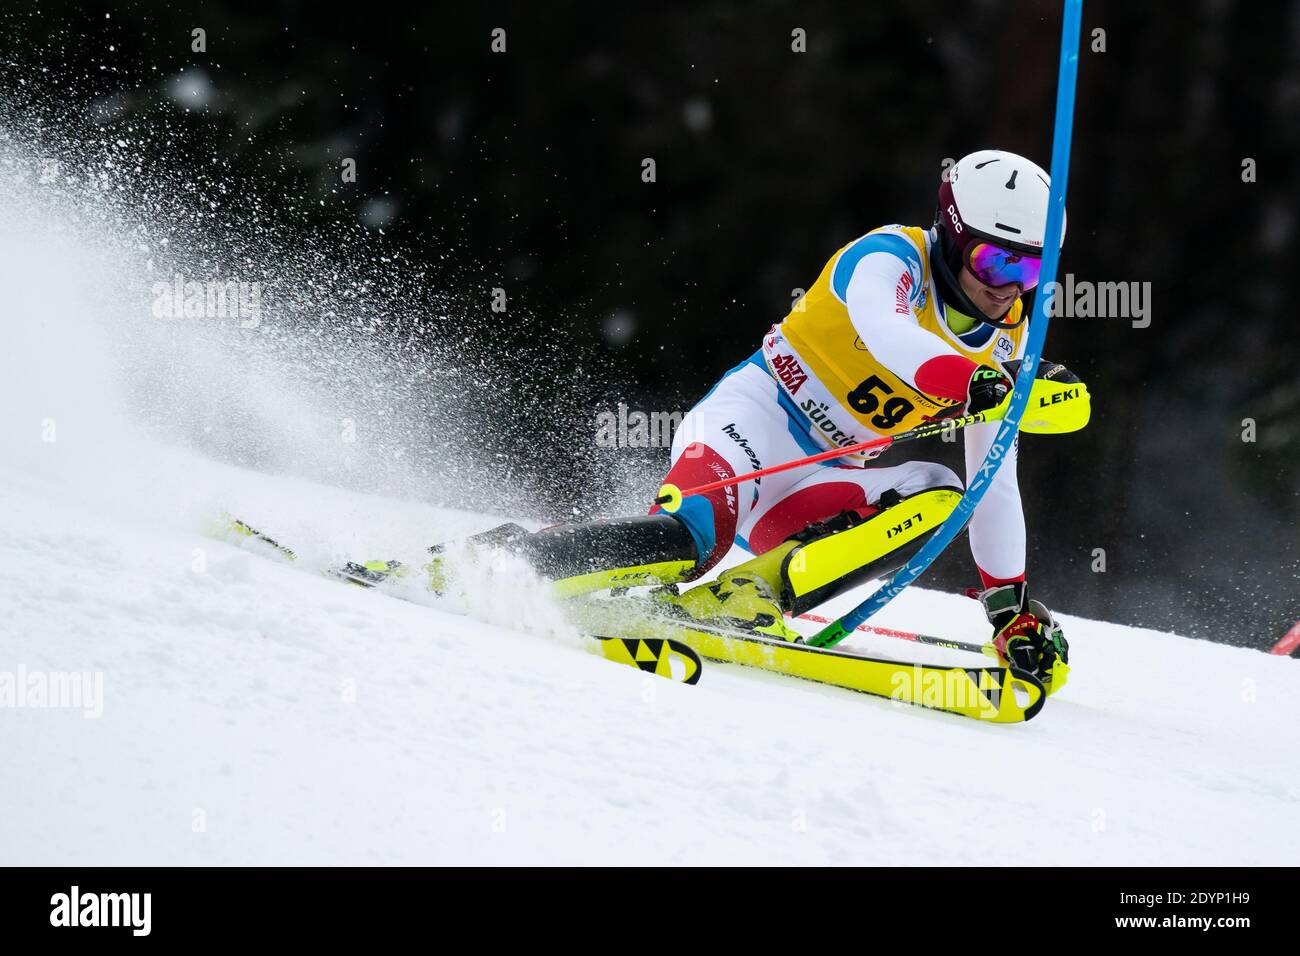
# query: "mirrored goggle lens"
996,266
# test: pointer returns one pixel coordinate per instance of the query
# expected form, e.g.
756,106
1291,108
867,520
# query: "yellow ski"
663,657
999,695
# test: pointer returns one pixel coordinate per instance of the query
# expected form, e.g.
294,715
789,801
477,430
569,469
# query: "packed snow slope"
252,713
243,711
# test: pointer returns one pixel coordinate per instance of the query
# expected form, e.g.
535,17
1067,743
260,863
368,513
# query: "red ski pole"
1289,644
670,496
1056,408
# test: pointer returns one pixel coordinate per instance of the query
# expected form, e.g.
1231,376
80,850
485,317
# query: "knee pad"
928,474
710,518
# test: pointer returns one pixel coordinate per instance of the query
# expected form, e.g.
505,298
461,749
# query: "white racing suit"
866,352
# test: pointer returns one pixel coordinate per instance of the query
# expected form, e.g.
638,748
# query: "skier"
903,326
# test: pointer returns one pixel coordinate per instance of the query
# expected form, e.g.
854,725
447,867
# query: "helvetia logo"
730,429
103,909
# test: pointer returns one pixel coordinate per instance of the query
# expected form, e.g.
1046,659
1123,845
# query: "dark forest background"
522,170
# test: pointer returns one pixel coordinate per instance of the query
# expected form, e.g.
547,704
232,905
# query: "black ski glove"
987,388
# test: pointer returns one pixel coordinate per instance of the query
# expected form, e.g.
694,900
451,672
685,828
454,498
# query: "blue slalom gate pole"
1064,127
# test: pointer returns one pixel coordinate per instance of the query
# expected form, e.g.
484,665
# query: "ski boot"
745,597
369,574
439,568
822,561
440,573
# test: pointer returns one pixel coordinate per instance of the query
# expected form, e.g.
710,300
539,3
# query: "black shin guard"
586,547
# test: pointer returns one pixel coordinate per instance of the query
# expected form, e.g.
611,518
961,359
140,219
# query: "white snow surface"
255,713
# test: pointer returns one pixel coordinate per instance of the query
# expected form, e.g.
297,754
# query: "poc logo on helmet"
956,219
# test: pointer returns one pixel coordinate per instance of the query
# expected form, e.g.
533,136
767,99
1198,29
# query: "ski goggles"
997,266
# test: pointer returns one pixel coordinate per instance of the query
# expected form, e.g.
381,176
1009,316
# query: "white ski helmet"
998,197
991,219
